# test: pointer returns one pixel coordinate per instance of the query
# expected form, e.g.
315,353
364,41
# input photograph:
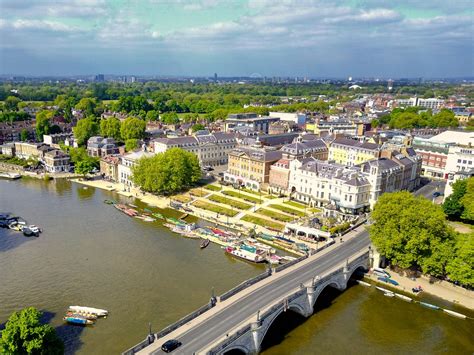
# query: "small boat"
455,314
157,215
387,280
363,283
109,202
27,232
89,316
132,205
389,294
382,289
147,210
12,176
403,297
244,254
78,320
97,311
145,218
204,243
429,305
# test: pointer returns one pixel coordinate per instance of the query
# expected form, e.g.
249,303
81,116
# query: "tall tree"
468,201
412,231
168,172
461,267
85,128
87,105
170,118
453,206
24,334
11,103
110,127
43,124
132,128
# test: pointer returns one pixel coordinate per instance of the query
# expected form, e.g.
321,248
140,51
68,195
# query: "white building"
459,165
211,149
432,103
125,165
297,117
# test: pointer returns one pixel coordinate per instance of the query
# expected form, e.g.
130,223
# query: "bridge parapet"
302,301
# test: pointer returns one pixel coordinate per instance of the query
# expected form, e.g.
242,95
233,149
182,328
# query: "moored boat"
429,305
97,311
85,315
455,314
157,215
363,283
244,254
403,297
204,243
78,320
389,294
382,289
109,202
145,218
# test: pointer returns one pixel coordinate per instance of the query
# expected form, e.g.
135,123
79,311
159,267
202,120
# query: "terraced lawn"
295,204
289,210
198,192
263,222
275,215
230,201
241,196
181,198
213,187
215,208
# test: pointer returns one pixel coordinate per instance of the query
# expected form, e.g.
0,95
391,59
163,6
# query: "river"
91,254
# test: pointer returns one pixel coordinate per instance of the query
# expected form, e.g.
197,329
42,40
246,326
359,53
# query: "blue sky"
386,38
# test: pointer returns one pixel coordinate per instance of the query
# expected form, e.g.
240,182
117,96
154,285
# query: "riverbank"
442,289
16,169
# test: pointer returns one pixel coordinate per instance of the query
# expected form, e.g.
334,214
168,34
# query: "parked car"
170,345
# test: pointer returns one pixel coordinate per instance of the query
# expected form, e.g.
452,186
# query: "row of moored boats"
20,225
80,315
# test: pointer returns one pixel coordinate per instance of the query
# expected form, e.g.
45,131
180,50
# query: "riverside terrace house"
109,167
301,148
56,161
251,120
101,147
212,149
351,152
124,171
250,166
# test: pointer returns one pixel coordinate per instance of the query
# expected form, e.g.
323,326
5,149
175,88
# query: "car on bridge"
170,345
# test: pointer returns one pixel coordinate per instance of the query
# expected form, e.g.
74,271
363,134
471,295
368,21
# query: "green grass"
213,187
241,196
295,204
289,210
275,215
181,198
198,192
215,208
263,222
229,201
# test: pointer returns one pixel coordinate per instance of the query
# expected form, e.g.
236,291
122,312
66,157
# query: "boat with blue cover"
78,320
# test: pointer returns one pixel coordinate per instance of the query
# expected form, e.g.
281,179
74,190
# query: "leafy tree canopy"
131,144
85,128
198,127
43,124
461,267
110,127
132,128
168,172
24,334
412,231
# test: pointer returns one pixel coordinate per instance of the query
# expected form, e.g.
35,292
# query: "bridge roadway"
200,333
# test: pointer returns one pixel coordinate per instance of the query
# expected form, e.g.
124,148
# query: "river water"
91,254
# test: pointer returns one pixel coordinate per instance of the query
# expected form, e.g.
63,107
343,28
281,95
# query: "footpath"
441,289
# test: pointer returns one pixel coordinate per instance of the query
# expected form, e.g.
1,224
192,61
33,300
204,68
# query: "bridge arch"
361,267
293,308
331,283
237,349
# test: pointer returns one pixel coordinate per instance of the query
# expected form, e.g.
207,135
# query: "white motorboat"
97,311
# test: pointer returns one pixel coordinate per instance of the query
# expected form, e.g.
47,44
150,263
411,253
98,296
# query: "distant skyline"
313,38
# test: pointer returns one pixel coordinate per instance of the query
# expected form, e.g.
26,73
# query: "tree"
198,127
461,267
375,123
131,144
168,172
110,127
11,103
85,128
87,105
24,135
42,124
24,334
86,166
133,128
468,201
412,231
445,118
170,118
452,206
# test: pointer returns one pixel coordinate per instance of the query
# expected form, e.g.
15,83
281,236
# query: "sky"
313,38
